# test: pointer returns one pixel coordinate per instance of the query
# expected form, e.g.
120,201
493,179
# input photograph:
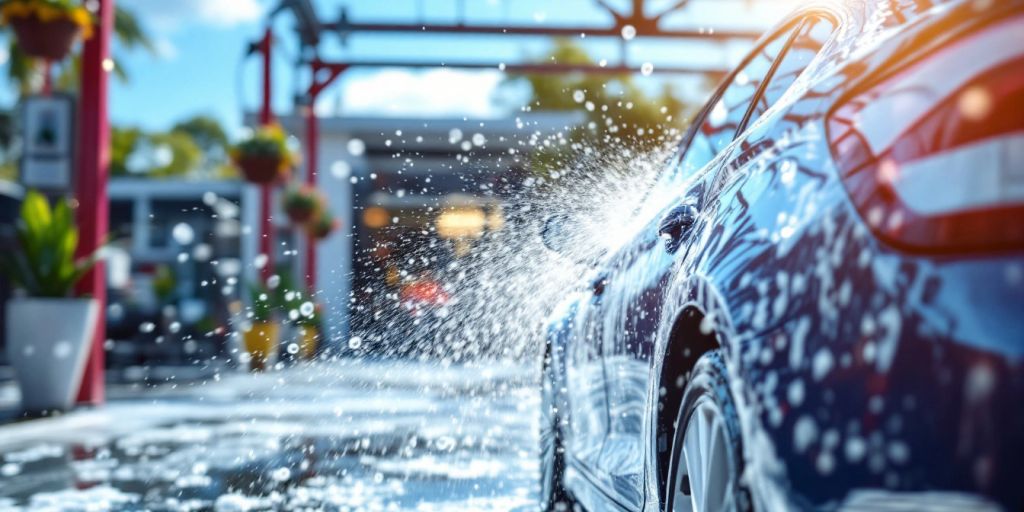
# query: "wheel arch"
686,344
694,321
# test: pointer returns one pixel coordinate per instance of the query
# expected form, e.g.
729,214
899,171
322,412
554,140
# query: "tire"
704,475
553,496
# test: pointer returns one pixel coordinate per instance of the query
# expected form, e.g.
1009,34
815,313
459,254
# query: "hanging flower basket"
322,226
46,29
302,203
264,157
262,169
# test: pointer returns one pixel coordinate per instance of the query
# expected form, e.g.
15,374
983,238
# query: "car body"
865,293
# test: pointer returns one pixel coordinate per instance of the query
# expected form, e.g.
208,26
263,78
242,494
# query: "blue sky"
198,67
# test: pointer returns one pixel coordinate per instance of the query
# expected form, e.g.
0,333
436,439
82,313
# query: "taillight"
933,155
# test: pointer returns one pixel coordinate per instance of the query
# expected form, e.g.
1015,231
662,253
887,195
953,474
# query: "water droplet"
183,233
341,169
10,469
355,342
454,136
62,349
356,147
628,32
646,68
282,474
975,103
273,281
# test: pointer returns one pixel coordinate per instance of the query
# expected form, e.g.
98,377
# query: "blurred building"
182,251
10,202
400,185
175,267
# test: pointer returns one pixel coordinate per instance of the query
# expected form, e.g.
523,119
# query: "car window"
932,153
720,122
808,41
935,105
723,120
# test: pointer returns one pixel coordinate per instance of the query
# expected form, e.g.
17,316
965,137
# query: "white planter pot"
48,344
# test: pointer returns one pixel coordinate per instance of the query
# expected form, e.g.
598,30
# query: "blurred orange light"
375,217
461,223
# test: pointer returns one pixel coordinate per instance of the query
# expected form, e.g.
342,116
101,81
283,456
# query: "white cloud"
165,48
228,12
436,92
169,15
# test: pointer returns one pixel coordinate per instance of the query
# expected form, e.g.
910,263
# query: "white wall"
334,254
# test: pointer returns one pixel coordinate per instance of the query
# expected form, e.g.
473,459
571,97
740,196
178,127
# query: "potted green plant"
303,314
46,29
264,157
309,326
301,203
164,283
48,356
261,335
323,225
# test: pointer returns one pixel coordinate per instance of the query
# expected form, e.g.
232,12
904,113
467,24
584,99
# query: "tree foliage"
185,155
123,141
192,146
617,111
205,131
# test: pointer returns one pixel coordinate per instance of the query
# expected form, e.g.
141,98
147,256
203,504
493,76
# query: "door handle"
597,285
676,226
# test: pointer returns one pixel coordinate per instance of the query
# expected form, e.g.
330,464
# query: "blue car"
825,308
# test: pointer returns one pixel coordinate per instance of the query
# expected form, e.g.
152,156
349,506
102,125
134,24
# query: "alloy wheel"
703,480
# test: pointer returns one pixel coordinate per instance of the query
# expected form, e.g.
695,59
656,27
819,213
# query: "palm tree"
25,73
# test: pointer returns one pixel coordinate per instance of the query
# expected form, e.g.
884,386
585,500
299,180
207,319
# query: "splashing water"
429,403
494,300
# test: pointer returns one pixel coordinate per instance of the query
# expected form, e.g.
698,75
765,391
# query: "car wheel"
706,457
553,496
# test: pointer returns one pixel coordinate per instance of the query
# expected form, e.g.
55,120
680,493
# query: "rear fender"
690,299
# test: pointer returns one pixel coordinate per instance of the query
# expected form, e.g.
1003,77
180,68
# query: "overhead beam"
517,68
643,29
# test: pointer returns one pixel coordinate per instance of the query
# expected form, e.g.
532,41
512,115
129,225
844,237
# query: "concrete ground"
349,435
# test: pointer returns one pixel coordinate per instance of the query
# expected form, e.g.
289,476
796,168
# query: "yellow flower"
16,10
47,13
82,18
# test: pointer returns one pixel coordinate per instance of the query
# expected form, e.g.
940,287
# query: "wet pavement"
351,435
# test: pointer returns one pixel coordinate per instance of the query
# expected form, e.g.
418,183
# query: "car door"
635,290
586,392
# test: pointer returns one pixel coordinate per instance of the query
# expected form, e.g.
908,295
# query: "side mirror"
559,237
555,234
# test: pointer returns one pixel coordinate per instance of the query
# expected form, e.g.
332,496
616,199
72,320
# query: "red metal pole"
47,77
266,117
266,114
318,84
91,187
312,136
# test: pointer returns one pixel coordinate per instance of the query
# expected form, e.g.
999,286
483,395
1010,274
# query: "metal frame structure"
310,31
91,185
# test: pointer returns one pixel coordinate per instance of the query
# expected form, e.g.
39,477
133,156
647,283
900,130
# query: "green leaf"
44,263
36,213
